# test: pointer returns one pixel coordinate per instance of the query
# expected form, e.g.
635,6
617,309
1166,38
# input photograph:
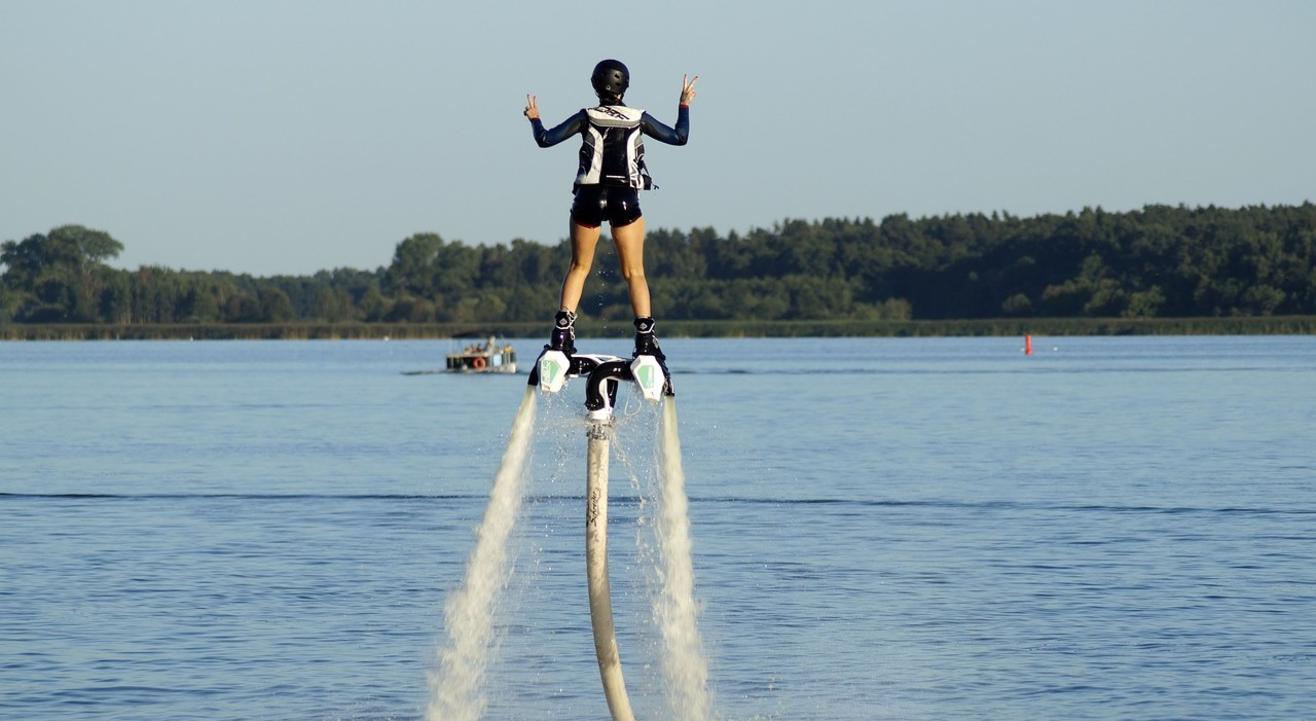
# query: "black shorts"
597,203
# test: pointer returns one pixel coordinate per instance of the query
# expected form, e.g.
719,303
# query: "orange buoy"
477,363
1028,345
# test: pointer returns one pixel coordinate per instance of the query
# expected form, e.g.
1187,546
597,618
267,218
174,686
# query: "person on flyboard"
608,181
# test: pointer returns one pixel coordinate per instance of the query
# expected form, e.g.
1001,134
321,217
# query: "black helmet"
610,79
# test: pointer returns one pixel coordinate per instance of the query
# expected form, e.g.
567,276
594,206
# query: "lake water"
883,529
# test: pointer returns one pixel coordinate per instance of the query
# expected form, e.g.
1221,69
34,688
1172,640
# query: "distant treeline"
1158,262
312,330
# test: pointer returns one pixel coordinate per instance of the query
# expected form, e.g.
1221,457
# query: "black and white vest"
612,148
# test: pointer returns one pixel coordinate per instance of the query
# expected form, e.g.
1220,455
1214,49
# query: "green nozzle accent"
549,370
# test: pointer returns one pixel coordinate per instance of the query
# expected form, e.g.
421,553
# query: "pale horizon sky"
291,136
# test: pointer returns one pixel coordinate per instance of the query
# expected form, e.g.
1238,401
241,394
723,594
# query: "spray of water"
456,689
684,667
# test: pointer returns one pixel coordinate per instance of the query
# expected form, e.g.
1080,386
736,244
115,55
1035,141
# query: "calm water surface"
884,529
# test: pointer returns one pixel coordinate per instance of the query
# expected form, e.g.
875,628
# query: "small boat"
486,357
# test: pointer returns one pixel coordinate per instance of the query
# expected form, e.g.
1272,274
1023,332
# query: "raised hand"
531,108
688,88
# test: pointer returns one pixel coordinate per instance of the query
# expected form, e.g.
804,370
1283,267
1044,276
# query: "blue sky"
291,136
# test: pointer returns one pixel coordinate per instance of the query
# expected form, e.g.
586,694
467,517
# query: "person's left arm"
546,138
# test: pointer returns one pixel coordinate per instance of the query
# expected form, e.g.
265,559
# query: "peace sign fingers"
688,88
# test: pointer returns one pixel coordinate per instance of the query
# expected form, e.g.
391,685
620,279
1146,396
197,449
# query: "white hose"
596,565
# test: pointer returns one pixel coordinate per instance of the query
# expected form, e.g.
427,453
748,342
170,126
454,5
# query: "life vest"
612,148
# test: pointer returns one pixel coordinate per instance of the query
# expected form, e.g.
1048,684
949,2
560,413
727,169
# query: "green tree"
202,305
275,307
1144,303
412,269
1017,305
242,308
8,304
116,299
57,276
1160,260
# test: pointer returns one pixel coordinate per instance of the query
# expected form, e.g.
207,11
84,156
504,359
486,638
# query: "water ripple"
724,500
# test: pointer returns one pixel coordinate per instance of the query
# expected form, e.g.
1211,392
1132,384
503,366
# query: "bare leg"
583,241
630,252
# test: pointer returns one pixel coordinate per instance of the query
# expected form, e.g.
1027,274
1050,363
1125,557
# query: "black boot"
645,341
564,333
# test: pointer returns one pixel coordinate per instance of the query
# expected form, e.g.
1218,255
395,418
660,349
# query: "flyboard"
604,374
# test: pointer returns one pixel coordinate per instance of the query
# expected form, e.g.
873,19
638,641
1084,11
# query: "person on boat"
611,173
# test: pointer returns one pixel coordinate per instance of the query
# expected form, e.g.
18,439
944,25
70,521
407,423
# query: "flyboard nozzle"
550,371
553,368
650,375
